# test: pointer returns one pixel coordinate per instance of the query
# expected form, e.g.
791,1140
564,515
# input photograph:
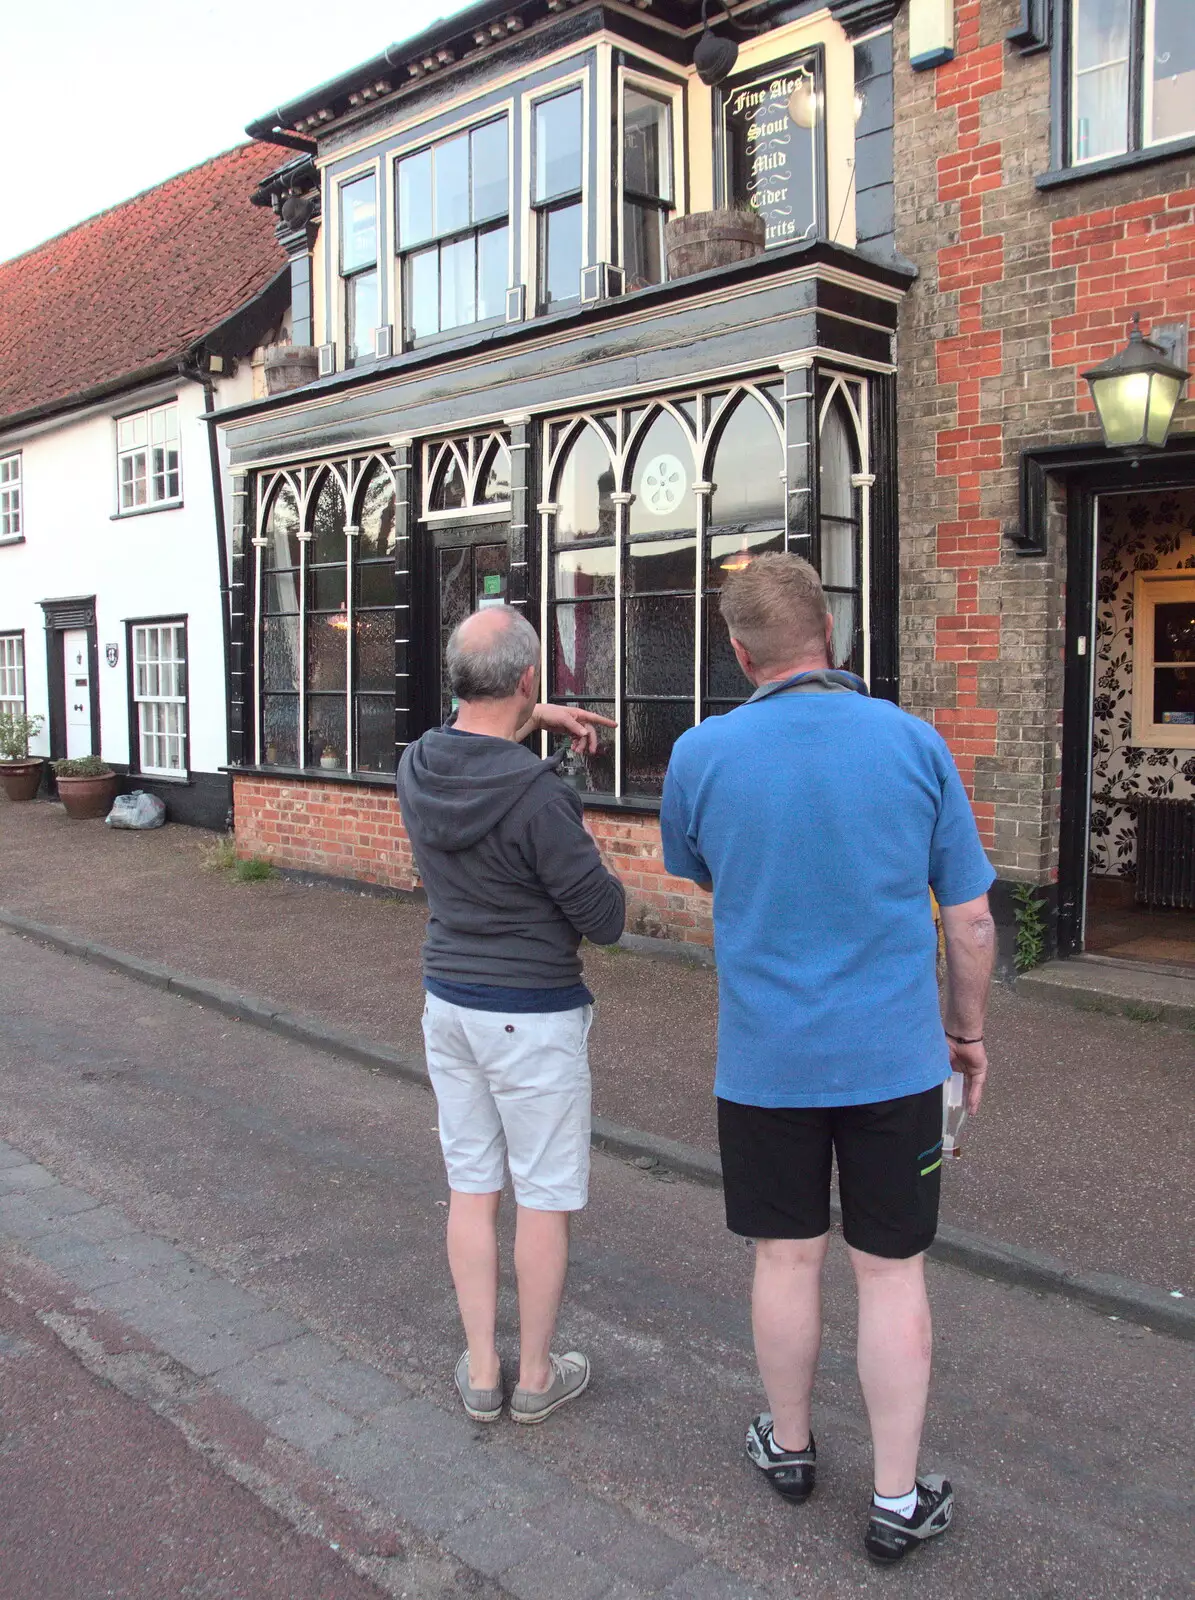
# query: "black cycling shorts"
776,1171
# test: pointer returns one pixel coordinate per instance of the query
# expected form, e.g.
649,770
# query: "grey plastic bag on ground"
136,810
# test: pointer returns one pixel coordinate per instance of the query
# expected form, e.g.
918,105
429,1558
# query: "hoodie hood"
455,788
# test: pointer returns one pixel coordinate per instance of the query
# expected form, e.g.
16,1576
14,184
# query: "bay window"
454,231
359,266
1132,75
647,184
635,555
147,453
557,198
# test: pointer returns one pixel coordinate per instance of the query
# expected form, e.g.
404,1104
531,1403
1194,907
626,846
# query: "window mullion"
351,531
1136,131
304,548
621,502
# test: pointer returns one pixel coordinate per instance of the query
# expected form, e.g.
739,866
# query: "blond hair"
776,609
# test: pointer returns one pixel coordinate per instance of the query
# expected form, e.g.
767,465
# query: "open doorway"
1140,903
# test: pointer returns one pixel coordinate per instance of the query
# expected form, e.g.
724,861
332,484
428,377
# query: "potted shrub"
706,239
86,786
20,773
329,758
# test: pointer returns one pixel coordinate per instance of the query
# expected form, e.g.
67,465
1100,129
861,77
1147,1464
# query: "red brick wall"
343,830
339,830
1020,289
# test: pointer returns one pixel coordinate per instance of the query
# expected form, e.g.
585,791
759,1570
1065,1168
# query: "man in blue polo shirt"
822,819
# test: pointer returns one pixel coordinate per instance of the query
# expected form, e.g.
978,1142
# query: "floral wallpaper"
1138,533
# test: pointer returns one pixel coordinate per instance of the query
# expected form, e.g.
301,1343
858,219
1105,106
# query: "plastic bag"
136,810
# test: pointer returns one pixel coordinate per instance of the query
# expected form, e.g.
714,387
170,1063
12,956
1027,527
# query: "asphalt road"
318,1185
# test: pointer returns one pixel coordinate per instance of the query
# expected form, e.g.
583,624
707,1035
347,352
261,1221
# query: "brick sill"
367,780
1058,178
639,805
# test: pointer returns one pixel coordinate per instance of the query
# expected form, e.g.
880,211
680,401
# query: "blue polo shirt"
823,819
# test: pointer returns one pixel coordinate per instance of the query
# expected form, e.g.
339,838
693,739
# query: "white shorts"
512,1087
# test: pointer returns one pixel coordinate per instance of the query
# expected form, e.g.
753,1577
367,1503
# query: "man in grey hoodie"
514,881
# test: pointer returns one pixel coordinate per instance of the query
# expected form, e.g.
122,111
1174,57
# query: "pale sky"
104,98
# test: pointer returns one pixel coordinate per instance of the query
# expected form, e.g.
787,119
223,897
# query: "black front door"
469,568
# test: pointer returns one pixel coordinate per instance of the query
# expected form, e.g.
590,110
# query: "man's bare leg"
895,1347
786,1318
473,1259
541,1265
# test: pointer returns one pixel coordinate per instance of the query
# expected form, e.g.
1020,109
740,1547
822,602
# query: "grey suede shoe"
570,1378
483,1405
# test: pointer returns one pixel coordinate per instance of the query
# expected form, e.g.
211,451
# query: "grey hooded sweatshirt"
513,880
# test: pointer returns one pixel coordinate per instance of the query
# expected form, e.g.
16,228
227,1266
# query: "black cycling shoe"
790,1472
890,1537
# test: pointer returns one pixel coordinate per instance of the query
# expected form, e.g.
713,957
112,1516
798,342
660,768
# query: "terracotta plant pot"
712,239
21,780
88,797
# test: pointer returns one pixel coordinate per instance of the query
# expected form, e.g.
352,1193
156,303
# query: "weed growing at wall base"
254,869
1031,927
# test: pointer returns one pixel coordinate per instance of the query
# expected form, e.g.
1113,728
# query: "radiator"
1166,853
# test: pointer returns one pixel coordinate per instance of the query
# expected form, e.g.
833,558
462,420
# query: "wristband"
956,1040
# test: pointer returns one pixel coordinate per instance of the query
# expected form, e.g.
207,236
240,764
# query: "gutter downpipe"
203,379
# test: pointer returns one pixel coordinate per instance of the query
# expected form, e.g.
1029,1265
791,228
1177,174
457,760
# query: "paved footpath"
243,1239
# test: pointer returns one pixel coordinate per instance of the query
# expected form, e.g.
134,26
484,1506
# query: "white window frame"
530,207
11,519
345,279
672,96
1151,589
12,673
136,450
161,708
1138,121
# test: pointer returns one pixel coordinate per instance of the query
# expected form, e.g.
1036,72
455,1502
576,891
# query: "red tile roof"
136,285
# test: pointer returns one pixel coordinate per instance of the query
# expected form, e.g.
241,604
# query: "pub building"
591,303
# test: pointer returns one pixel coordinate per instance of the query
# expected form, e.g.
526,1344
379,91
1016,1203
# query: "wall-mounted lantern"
714,56
1135,392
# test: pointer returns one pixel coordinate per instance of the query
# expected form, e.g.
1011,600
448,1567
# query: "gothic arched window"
327,627
746,518
373,626
840,528
278,671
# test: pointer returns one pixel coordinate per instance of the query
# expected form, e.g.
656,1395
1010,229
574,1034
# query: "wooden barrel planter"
712,239
20,780
289,366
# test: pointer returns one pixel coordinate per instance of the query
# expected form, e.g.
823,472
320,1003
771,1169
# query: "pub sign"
770,125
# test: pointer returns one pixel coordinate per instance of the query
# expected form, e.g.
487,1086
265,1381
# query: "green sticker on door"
491,583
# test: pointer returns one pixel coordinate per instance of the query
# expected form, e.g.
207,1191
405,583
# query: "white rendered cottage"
116,339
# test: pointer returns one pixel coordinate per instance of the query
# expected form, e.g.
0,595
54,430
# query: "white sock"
903,1504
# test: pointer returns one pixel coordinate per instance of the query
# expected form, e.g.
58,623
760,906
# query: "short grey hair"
491,669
